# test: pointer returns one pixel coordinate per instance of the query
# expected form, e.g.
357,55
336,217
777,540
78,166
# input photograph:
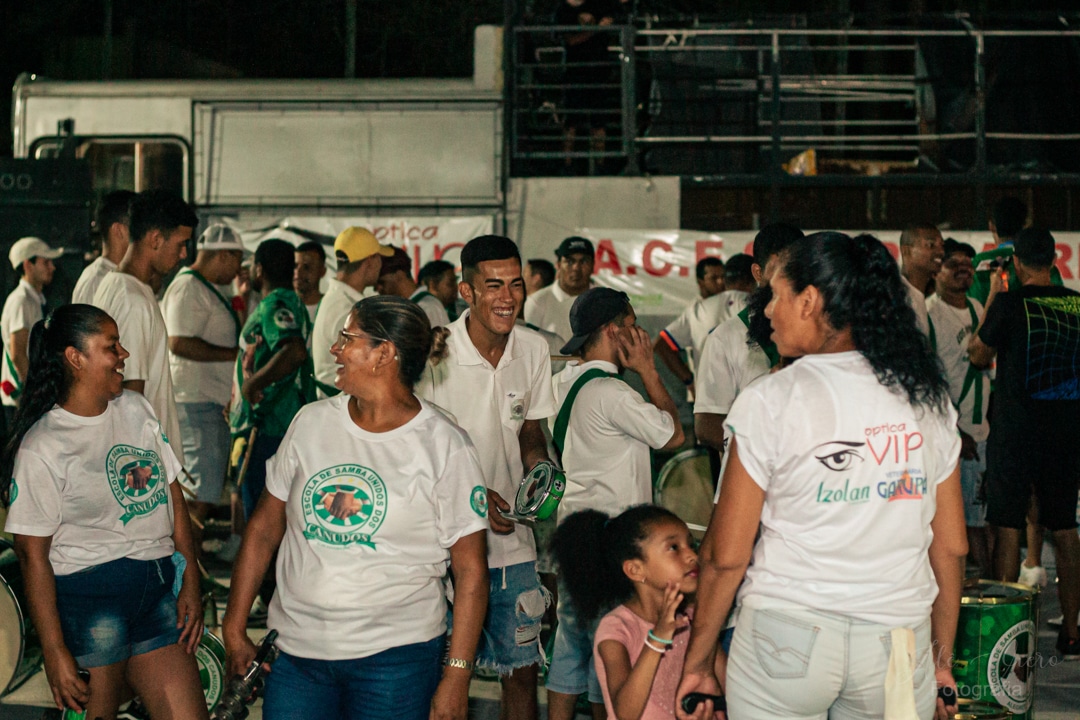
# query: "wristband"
662,641
662,649
459,663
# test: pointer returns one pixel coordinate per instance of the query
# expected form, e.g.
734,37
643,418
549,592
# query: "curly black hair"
597,584
861,288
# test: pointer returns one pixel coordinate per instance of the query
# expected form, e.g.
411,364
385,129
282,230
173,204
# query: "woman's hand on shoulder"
62,673
451,700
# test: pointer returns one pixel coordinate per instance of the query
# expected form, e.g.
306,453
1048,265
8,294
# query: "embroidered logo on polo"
344,505
136,478
478,500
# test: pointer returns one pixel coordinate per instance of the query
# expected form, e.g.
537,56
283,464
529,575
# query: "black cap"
592,310
575,244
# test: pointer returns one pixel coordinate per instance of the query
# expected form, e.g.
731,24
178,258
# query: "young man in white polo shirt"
921,251
113,224
359,258
161,227
32,260
496,382
549,308
204,330
606,431
729,360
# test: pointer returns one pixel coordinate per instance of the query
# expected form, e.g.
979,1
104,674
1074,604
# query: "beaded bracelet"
662,649
662,641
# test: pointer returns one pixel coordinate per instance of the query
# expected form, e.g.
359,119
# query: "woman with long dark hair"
847,460
100,526
371,496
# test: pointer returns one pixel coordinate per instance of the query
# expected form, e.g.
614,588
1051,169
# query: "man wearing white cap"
359,259
203,331
161,226
32,259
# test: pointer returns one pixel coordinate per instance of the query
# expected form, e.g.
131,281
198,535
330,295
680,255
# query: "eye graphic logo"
478,500
839,455
136,480
344,505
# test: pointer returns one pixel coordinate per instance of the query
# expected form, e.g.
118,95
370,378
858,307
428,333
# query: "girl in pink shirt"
647,571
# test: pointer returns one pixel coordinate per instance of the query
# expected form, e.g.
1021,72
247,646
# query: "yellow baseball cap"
356,243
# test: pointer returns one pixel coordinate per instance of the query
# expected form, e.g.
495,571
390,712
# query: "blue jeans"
254,483
396,684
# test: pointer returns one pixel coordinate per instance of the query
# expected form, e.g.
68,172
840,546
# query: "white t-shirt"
610,431
193,310
953,328
91,276
313,312
22,308
549,308
689,330
727,366
98,485
917,300
334,310
491,404
370,518
850,472
132,304
432,307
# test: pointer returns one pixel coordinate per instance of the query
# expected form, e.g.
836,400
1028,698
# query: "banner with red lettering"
424,238
656,267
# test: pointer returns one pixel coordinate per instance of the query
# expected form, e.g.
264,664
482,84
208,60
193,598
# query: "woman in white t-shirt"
371,496
847,460
101,528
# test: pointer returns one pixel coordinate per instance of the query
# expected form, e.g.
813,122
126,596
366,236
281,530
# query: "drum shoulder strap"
562,420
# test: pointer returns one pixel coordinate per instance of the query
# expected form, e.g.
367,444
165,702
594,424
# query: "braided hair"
49,380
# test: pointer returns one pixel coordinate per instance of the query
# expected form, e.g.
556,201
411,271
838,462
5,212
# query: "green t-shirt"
980,287
281,315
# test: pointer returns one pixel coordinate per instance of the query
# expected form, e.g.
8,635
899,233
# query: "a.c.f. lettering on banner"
657,267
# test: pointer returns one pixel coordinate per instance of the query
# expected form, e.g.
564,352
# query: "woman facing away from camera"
372,494
98,518
848,461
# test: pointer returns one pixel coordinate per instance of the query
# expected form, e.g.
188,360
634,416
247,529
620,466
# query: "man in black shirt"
1034,330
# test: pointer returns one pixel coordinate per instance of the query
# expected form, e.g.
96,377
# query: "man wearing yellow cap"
359,259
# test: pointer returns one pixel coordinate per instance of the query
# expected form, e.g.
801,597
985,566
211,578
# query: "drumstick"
247,458
190,493
195,522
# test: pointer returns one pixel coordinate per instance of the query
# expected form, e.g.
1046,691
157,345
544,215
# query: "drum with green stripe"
994,659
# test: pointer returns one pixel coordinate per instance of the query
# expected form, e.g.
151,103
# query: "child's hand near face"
669,619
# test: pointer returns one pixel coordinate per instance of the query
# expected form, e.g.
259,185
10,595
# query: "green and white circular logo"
284,319
137,480
344,505
211,675
478,500
13,491
1009,672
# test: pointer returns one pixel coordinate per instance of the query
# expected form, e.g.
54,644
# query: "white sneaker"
1059,620
229,548
1032,576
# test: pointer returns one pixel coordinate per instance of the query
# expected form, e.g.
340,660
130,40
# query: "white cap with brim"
32,247
219,237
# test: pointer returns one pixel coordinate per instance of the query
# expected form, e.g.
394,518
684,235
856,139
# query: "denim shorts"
118,609
205,435
395,684
573,668
511,634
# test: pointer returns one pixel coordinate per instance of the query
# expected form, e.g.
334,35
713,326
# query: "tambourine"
538,494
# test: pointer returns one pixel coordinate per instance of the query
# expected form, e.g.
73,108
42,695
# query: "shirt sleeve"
282,466
460,496
435,311
636,417
36,509
948,448
542,404
994,330
134,323
716,385
677,335
28,313
280,323
756,433
185,310
611,627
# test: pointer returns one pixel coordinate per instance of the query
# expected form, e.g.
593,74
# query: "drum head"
11,637
211,673
685,488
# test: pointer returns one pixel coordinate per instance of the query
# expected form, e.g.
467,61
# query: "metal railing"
738,105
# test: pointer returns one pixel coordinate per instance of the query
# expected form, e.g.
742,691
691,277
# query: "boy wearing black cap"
605,431
549,308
